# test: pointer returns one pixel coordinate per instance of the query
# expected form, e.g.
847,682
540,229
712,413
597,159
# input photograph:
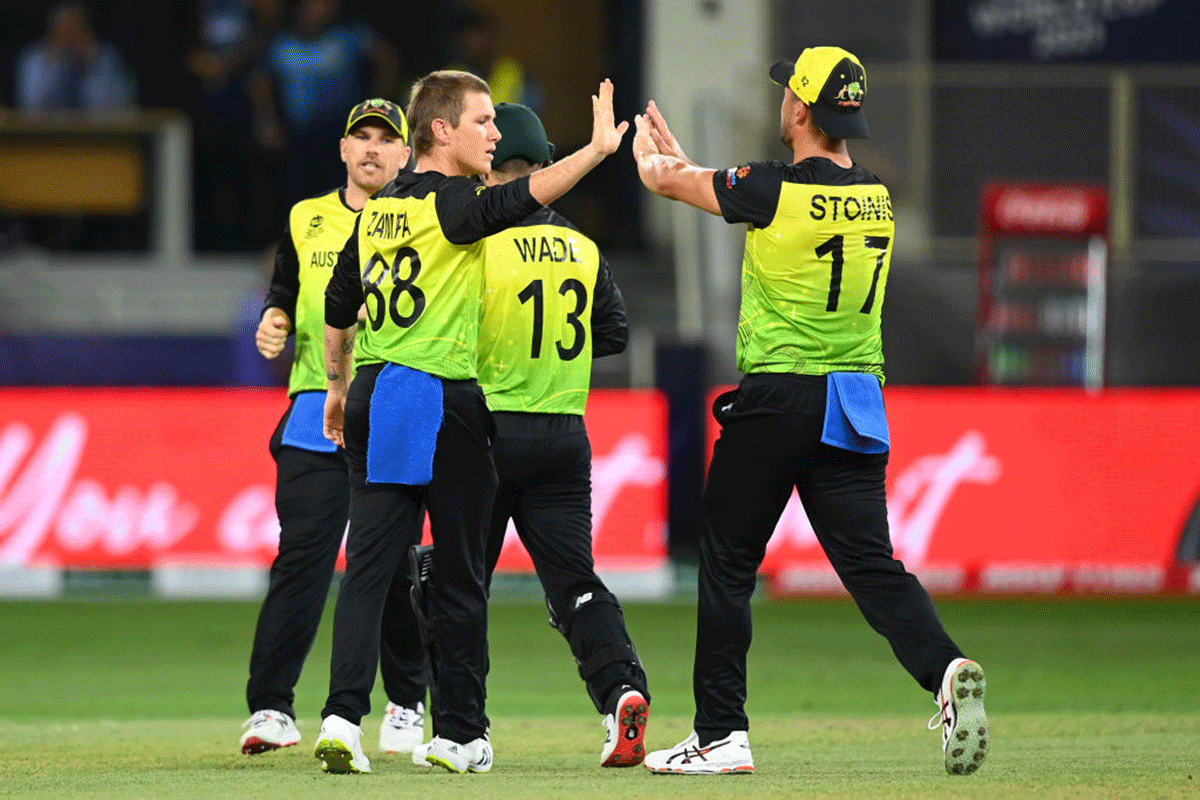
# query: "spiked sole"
445,764
968,743
438,761
630,750
337,757
254,745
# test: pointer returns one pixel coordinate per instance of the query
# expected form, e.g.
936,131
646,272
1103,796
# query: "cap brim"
781,72
839,125
372,115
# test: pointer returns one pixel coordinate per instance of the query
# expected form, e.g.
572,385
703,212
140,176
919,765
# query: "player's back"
535,345
815,274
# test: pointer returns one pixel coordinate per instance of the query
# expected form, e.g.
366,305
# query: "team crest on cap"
850,94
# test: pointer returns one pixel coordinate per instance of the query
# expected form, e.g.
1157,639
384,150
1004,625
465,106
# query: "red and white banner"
990,490
137,478
1045,209
1026,491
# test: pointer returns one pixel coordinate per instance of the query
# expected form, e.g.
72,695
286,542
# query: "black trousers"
312,495
385,520
401,654
771,441
545,467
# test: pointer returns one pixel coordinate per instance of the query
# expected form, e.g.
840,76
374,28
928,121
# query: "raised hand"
661,135
606,134
643,142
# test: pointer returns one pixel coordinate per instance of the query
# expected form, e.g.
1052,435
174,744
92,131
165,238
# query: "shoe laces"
404,717
262,717
610,728
941,716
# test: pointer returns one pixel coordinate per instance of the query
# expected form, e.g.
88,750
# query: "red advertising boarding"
989,490
1026,491
136,478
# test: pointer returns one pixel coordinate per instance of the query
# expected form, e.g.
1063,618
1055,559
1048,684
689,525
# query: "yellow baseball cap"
385,110
833,83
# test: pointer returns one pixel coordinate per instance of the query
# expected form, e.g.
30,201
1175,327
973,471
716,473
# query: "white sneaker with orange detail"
268,730
730,755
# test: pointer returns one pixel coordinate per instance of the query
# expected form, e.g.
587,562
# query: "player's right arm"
551,183
343,297
669,174
469,211
280,306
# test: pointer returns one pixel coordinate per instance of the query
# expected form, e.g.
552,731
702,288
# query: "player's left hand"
606,134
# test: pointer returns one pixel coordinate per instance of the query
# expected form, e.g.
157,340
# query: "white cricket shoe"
474,756
339,746
730,755
961,717
268,730
418,755
402,728
625,743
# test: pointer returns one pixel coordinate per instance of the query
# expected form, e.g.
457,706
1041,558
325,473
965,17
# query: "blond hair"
439,95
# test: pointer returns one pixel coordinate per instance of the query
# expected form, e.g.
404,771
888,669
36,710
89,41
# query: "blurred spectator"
478,45
235,182
311,73
71,68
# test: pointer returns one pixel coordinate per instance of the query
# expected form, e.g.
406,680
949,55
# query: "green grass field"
136,698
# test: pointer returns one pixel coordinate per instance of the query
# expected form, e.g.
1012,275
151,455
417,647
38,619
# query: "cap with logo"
833,83
522,135
379,108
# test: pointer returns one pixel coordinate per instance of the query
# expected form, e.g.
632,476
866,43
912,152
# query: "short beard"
370,188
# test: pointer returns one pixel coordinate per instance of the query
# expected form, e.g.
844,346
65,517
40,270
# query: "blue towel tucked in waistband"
305,427
854,415
406,415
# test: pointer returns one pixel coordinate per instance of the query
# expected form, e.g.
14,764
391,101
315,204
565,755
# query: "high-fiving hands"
665,169
644,145
606,133
659,135
549,184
